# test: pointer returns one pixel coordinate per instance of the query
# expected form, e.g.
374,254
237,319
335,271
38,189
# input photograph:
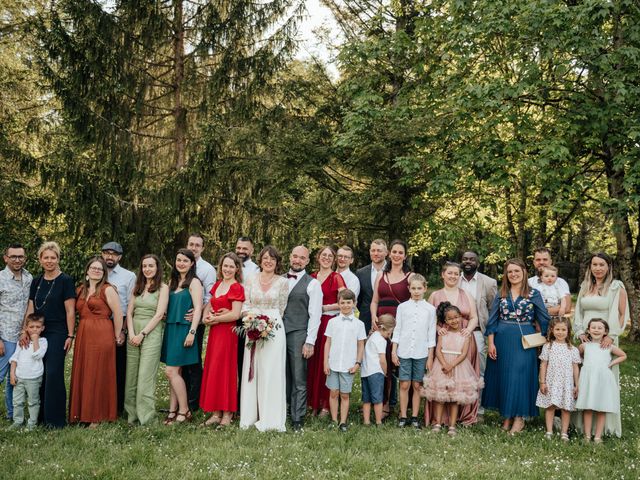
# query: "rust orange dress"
93,375
317,391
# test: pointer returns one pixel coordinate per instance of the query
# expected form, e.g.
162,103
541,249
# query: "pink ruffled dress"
462,385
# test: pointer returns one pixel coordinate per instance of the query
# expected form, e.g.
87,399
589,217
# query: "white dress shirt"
207,275
345,333
415,330
374,274
469,286
249,269
351,281
29,363
124,280
314,291
376,345
560,283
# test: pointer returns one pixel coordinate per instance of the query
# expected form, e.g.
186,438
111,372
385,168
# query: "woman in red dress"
219,390
331,283
452,293
390,290
93,375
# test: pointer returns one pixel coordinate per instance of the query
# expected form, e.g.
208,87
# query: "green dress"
174,354
143,362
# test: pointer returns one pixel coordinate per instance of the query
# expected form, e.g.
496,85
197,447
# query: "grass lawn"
189,451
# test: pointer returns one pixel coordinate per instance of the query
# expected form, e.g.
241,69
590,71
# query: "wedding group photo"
320,239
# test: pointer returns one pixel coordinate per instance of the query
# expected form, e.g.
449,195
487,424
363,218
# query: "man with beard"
15,282
124,280
367,276
483,289
301,322
244,250
541,259
345,259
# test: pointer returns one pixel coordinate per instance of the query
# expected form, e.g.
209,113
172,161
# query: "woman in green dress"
602,297
179,346
147,307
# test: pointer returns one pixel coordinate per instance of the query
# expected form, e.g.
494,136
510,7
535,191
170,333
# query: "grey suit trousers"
296,375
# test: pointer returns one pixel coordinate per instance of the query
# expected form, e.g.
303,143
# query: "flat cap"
115,246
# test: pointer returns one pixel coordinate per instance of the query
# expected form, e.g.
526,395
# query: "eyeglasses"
16,257
97,269
326,255
344,257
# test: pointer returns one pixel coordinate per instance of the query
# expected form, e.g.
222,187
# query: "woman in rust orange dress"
452,293
331,283
93,375
390,290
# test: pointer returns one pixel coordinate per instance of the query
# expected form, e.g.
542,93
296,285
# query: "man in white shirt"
345,259
124,281
301,322
244,250
483,290
192,374
542,258
367,277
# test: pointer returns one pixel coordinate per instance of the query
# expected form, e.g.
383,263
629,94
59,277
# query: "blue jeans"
5,368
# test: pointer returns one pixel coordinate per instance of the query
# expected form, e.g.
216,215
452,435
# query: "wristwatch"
359,363
143,333
192,331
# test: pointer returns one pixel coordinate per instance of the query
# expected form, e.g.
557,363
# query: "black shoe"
415,423
343,427
402,422
297,426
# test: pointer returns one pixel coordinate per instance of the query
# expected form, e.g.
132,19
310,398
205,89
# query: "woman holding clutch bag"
511,377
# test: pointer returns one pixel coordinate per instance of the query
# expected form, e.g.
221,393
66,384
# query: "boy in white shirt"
413,345
343,353
26,373
374,368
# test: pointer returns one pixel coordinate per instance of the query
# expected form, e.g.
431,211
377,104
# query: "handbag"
533,340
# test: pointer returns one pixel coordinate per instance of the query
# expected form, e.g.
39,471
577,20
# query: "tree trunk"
179,111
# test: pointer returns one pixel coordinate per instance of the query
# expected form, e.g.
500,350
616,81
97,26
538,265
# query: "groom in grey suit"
301,322
483,289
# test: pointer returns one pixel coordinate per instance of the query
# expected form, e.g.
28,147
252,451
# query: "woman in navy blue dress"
511,377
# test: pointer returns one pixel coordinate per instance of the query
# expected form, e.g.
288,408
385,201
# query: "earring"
86,277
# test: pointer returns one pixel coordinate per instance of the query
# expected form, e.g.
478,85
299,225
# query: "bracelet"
143,333
71,336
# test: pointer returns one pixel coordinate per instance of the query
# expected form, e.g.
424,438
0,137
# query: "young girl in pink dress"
452,381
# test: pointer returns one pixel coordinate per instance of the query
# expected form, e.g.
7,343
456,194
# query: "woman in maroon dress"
390,290
331,283
93,374
219,390
452,293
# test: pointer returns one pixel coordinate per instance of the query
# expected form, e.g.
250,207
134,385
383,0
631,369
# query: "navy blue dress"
511,381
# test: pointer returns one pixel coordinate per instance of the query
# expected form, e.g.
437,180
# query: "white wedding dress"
263,399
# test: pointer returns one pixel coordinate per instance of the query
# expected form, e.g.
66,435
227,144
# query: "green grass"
188,451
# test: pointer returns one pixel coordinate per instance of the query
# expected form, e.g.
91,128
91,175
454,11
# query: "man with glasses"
15,282
124,280
345,259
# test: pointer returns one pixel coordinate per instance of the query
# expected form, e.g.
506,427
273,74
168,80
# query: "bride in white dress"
263,399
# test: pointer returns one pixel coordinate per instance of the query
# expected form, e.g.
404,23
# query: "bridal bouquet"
258,328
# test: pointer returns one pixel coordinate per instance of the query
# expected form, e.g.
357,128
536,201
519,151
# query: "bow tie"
346,318
291,276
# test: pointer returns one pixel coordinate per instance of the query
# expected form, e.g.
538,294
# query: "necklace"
268,282
46,297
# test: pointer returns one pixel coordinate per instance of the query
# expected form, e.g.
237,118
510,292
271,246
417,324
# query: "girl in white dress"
558,376
263,399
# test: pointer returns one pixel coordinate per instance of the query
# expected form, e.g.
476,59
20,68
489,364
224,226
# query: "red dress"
467,414
93,375
317,391
219,389
390,295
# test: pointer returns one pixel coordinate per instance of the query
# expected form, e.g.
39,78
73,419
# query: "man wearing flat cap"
124,281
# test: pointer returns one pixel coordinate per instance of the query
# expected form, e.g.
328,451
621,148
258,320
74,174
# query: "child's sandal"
564,437
597,440
452,432
436,428
548,435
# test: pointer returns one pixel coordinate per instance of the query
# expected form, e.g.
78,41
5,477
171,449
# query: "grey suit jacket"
487,290
366,293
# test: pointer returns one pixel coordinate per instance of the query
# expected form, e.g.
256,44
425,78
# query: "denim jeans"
5,368
27,389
